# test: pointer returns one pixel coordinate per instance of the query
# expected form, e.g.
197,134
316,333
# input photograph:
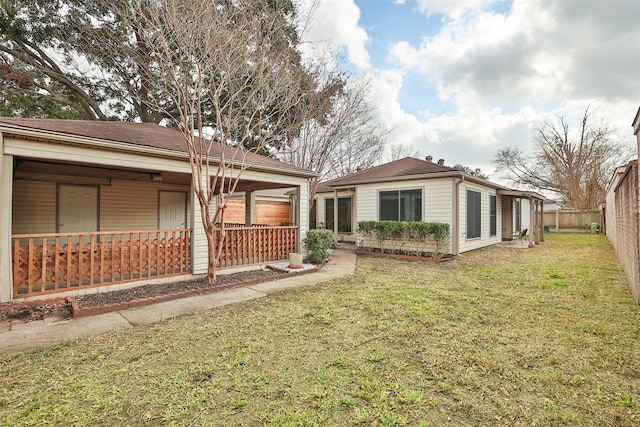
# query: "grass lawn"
544,336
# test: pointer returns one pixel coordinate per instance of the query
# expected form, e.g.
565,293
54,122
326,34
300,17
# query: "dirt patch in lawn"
38,311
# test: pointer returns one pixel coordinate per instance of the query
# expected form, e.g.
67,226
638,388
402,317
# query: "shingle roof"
405,168
134,134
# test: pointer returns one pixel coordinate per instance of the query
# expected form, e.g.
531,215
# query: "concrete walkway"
341,264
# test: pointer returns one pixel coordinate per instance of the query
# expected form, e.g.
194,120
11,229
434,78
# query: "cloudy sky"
459,79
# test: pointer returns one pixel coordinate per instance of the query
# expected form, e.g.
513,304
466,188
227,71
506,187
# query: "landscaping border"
364,252
78,311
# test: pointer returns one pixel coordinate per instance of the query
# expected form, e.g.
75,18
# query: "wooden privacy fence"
47,263
258,244
571,219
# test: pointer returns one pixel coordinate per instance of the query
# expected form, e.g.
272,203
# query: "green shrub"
416,233
318,243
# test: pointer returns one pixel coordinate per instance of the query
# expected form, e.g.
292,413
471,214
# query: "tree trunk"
212,258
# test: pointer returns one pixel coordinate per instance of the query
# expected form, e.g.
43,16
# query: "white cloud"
498,76
335,22
540,52
453,8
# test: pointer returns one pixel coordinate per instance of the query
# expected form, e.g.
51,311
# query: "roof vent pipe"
441,162
429,159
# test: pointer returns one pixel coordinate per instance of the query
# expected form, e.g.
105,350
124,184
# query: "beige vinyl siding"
199,246
525,221
438,205
320,208
436,198
34,207
133,205
485,239
303,214
124,205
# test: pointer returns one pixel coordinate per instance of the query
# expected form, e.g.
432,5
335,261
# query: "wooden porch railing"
257,244
47,263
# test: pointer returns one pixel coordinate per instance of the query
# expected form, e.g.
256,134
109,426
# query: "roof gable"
401,169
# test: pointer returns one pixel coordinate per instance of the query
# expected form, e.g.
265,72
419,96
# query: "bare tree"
233,76
466,169
399,151
573,164
347,137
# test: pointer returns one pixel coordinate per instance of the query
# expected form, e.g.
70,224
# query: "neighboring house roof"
408,168
636,123
323,188
130,136
617,172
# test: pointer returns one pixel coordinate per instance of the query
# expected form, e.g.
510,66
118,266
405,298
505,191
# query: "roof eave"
449,174
521,193
636,123
122,147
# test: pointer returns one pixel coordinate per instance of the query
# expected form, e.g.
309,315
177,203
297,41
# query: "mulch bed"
62,307
223,281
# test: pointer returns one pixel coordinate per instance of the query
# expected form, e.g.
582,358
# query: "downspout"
456,217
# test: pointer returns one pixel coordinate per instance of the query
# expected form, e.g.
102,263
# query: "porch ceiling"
30,168
247,185
26,167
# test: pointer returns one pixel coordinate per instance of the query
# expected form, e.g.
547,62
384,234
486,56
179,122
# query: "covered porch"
522,212
77,227
77,220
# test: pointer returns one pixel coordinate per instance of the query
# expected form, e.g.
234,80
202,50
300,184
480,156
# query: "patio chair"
522,234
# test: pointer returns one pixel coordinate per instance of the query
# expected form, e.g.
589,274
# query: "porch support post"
532,222
335,216
302,212
249,208
199,247
537,221
542,221
6,195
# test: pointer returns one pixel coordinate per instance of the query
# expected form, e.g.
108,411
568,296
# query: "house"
552,205
88,204
479,212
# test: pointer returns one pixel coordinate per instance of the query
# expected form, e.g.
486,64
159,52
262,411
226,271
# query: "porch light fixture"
156,177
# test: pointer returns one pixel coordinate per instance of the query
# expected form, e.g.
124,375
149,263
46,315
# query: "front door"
77,208
172,210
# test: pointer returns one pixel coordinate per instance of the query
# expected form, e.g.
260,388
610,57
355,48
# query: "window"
400,205
518,215
313,215
344,214
492,216
473,214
